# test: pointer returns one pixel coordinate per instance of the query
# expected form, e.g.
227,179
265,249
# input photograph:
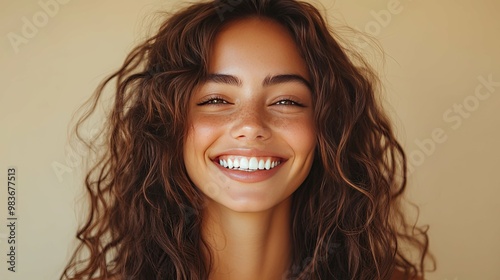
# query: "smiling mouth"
249,164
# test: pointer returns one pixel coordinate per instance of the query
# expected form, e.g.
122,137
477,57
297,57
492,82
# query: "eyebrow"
268,81
223,79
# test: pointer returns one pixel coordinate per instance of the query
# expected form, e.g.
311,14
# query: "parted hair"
144,216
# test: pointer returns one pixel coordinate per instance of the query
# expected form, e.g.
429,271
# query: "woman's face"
251,136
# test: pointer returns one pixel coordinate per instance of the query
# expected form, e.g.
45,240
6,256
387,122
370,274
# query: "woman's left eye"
288,102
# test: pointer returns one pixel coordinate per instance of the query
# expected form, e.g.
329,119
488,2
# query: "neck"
248,245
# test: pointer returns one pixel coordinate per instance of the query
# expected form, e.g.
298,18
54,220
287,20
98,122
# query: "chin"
247,204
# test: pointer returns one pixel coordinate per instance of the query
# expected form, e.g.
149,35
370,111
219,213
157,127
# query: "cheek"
299,133
203,131
204,128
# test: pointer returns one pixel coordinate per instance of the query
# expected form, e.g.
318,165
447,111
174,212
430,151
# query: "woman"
245,143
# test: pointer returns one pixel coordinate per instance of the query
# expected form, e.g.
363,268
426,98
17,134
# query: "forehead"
256,45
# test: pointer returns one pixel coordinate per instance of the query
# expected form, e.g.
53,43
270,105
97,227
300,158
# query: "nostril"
251,132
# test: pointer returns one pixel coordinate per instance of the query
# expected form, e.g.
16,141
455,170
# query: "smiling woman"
246,148
254,109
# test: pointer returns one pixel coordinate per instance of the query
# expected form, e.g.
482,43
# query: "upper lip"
249,153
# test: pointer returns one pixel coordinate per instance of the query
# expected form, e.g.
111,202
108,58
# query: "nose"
250,124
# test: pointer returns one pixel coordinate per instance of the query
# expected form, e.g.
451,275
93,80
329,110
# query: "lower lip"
249,176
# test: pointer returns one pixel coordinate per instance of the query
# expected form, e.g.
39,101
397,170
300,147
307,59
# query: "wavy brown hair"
145,213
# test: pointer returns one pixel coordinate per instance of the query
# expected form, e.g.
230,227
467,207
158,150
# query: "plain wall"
438,56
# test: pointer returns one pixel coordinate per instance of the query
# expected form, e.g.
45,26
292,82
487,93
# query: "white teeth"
253,164
261,164
268,164
248,164
243,163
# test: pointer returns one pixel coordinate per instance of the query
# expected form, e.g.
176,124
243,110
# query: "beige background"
436,53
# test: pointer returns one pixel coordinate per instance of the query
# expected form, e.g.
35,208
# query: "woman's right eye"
213,101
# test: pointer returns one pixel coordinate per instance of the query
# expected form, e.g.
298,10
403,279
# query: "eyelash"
289,100
210,101
221,101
